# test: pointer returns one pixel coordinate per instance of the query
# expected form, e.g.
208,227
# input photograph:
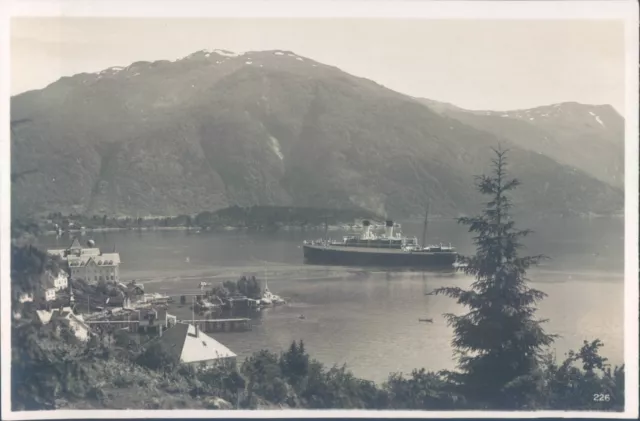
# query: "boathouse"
191,346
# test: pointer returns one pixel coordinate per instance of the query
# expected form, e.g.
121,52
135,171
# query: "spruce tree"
498,343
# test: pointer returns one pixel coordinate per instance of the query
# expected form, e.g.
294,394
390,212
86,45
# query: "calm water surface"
369,319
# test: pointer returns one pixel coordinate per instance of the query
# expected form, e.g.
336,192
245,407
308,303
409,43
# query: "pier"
220,325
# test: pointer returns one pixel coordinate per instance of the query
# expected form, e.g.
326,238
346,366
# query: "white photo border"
530,10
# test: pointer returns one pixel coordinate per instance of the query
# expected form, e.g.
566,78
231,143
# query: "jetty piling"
220,325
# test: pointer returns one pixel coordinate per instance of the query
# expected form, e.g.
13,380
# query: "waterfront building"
75,322
190,346
89,263
155,319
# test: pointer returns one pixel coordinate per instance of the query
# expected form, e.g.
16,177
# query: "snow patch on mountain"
112,70
275,146
597,117
227,53
599,121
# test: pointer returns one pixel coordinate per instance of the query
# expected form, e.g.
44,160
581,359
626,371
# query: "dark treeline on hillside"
504,355
253,217
274,216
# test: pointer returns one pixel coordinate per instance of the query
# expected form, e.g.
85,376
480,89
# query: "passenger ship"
389,250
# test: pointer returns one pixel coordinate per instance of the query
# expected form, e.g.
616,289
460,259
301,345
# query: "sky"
475,64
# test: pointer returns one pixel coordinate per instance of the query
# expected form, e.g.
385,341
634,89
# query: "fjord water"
369,319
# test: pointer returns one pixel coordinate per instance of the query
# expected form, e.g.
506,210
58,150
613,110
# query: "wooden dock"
220,325
205,325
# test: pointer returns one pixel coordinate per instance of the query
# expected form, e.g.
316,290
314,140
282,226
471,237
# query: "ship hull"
347,256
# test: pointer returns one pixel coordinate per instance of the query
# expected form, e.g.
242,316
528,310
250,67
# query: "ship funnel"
366,228
388,229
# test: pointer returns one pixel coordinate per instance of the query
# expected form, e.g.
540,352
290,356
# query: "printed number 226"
601,397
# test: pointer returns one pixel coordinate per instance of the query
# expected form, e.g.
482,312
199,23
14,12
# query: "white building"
89,263
190,346
60,282
75,322
47,289
25,297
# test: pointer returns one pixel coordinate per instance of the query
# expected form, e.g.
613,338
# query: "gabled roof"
181,341
104,259
75,244
44,316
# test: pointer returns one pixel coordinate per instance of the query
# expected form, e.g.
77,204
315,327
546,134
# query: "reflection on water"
369,319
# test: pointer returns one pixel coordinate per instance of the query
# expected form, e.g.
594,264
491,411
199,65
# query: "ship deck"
376,250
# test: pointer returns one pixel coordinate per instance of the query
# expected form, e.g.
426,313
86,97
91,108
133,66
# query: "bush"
158,357
423,390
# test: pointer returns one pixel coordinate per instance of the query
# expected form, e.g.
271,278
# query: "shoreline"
200,230
340,227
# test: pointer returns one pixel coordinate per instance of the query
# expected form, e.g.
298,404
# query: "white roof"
182,342
44,316
105,259
202,348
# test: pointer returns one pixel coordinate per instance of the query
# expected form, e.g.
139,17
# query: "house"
75,322
25,297
191,346
153,319
89,263
47,290
44,316
61,281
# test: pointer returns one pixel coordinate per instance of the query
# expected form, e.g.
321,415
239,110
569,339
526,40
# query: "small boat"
426,320
269,298
265,301
459,265
155,298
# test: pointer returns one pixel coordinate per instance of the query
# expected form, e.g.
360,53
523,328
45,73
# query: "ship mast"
326,228
424,228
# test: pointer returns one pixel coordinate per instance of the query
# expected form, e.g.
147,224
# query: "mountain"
216,129
586,137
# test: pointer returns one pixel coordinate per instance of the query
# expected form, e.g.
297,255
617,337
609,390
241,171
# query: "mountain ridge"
217,129
577,138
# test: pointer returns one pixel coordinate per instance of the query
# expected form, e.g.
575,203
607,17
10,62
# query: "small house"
152,319
74,322
61,281
191,346
25,297
47,289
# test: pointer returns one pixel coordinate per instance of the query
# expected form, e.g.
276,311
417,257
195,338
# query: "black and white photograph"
400,210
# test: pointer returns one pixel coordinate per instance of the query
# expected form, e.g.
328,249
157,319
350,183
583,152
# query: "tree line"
249,217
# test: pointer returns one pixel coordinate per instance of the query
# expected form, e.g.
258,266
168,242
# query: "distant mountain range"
216,129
